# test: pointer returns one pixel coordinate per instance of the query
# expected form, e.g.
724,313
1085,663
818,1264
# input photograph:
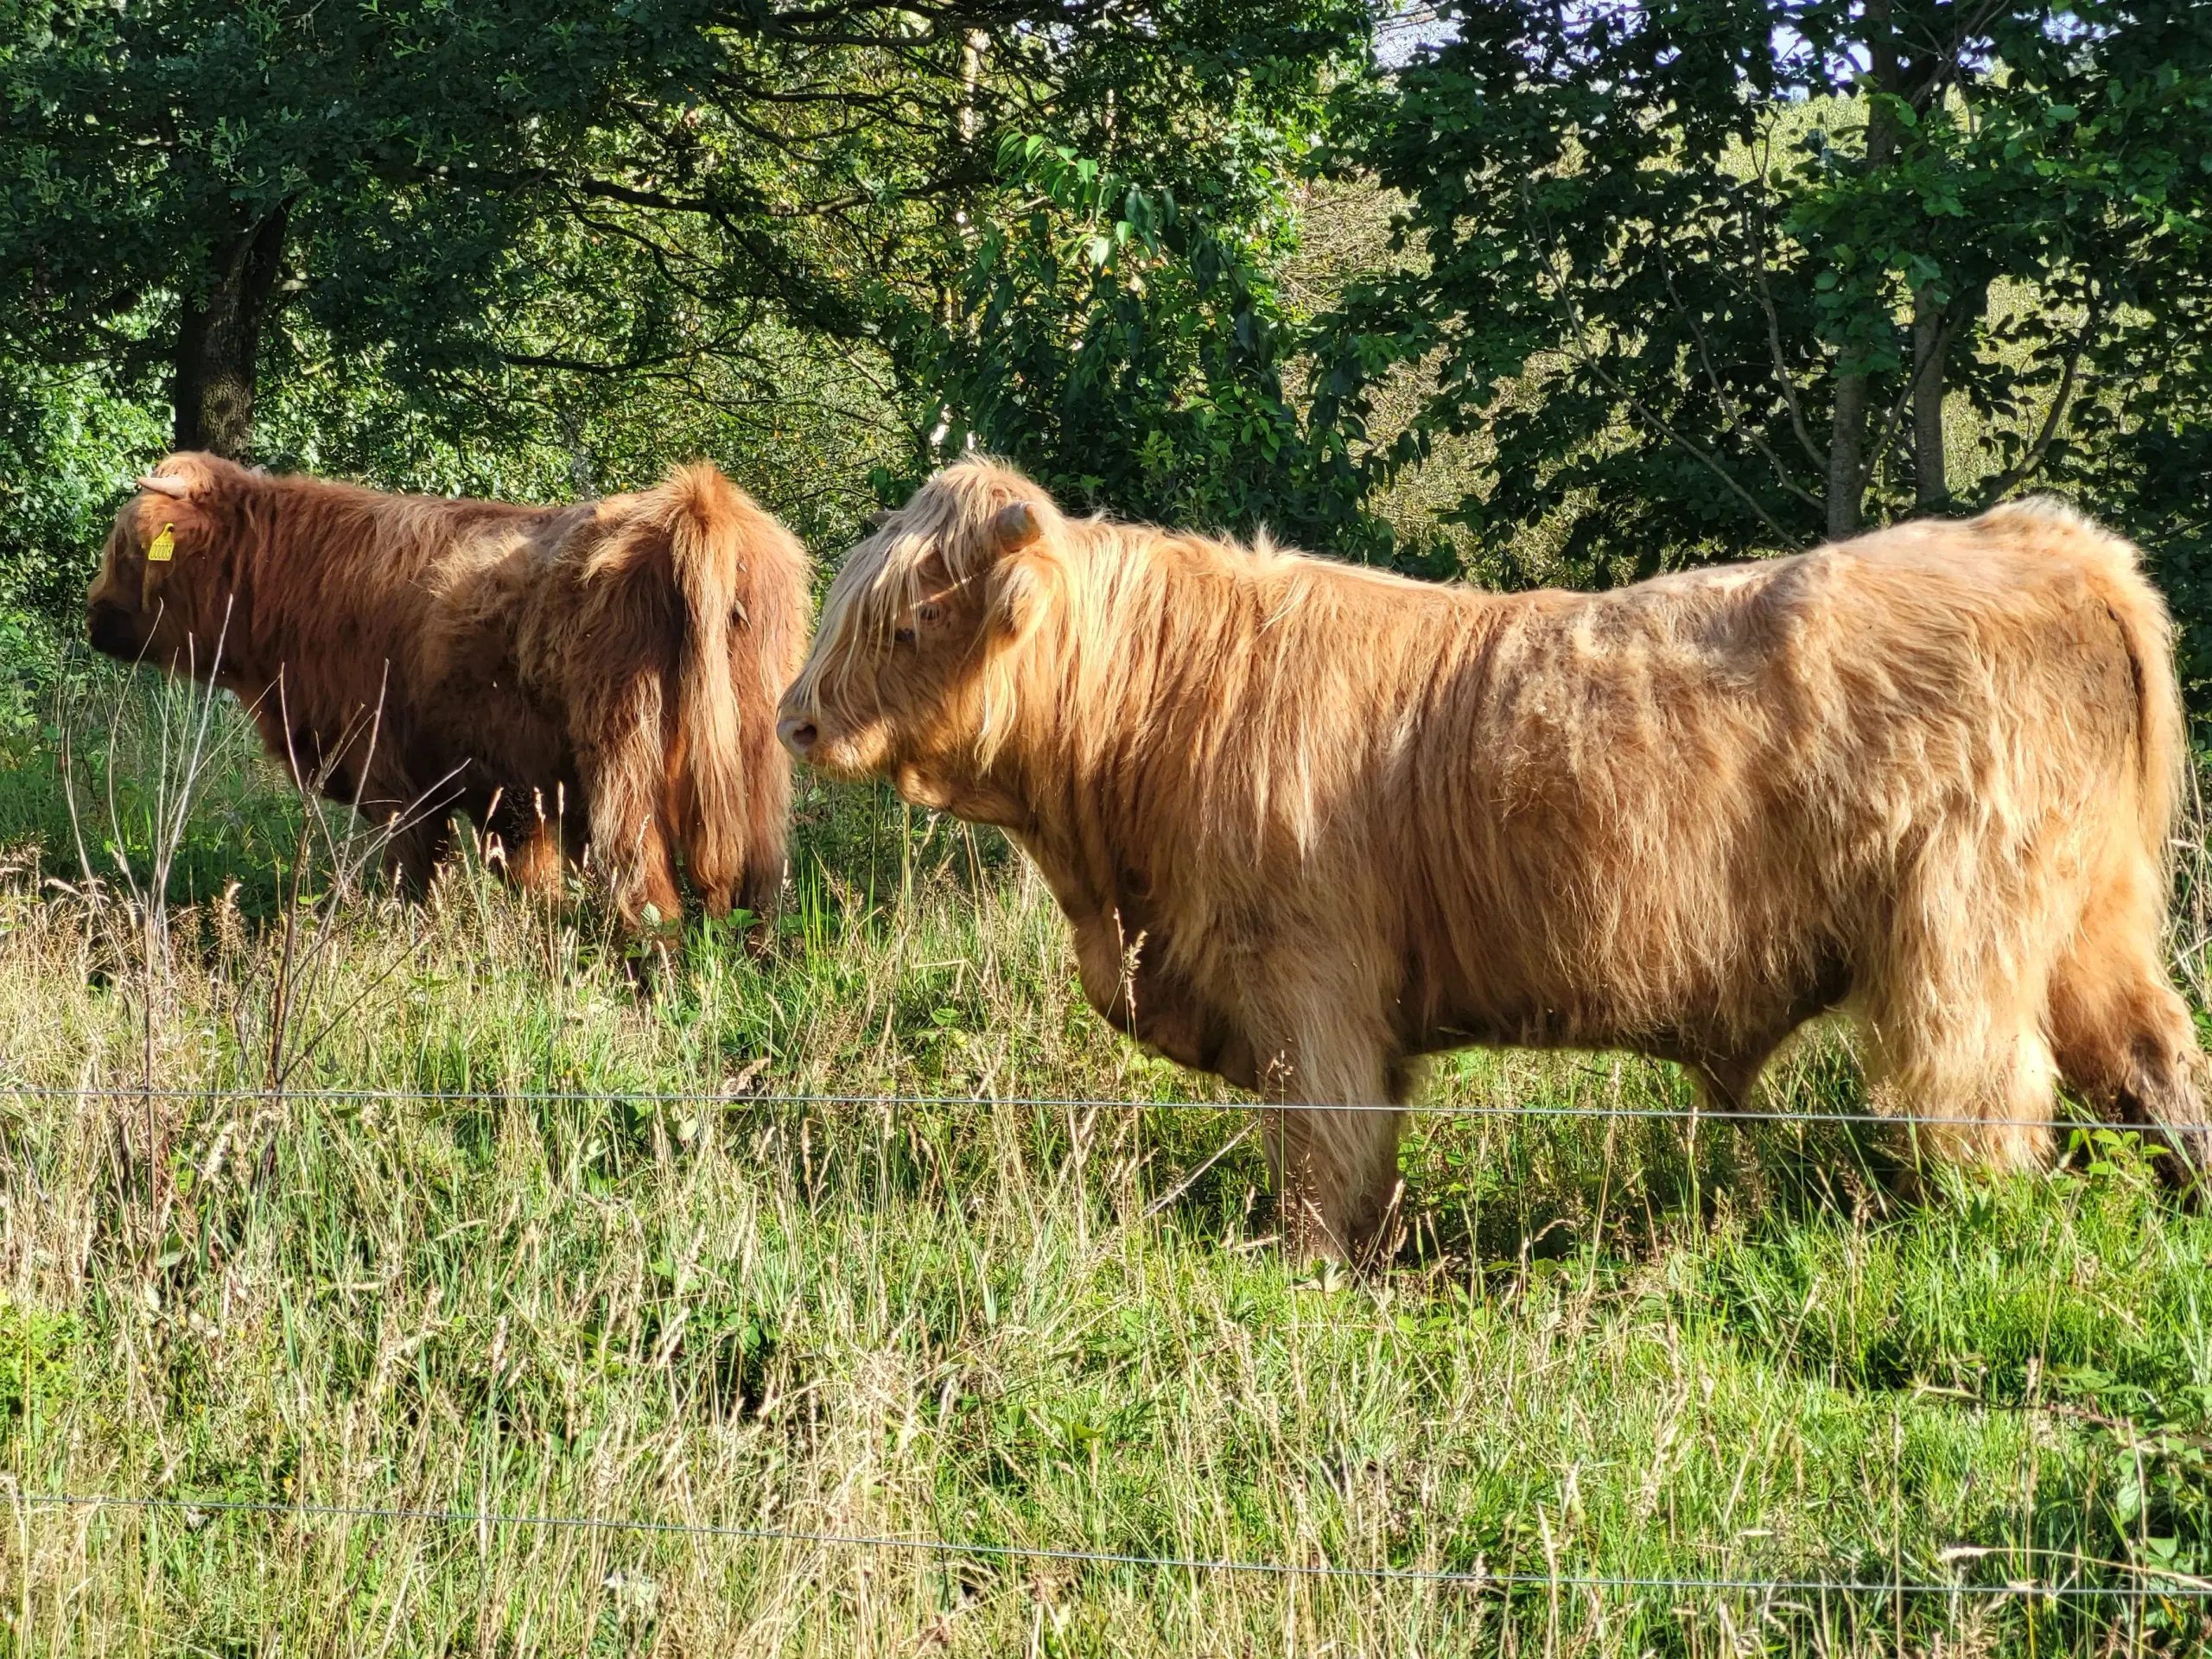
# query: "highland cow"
594,679
1310,823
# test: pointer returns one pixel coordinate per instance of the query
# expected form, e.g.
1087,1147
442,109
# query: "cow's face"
135,610
913,673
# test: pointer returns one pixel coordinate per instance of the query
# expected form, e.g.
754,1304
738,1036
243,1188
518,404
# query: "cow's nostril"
797,734
110,631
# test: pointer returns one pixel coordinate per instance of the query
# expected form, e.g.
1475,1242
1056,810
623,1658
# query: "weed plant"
504,1278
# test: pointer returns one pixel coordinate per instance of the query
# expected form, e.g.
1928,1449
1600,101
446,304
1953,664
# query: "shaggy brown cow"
600,675
1309,822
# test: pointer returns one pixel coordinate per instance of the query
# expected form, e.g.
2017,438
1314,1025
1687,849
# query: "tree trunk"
1854,395
1847,452
219,342
1931,486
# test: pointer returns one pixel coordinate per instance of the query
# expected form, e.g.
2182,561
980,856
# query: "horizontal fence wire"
1049,1102
2174,1585
2168,1584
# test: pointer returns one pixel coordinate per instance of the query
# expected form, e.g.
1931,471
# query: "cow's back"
384,614
1616,806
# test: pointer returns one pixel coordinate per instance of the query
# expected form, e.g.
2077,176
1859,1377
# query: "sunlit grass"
1608,1348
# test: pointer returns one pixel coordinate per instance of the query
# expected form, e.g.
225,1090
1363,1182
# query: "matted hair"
1309,822
615,661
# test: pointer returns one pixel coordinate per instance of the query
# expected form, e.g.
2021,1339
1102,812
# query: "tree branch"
1579,330
1814,453
1893,420
2033,460
1728,402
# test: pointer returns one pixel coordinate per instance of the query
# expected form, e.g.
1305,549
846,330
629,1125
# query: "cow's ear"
1025,571
1024,588
1014,528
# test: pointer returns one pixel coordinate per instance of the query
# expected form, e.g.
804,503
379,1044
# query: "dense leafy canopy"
1722,275
457,235
1667,282
1127,346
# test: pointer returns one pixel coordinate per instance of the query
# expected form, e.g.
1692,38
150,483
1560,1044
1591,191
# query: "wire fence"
1055,1102
2166,1583
2149,1582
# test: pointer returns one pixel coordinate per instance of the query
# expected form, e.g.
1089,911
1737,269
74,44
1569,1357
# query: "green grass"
1606,1349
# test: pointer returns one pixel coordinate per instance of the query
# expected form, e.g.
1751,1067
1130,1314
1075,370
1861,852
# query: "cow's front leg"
1338,1093
1336,1173
414,850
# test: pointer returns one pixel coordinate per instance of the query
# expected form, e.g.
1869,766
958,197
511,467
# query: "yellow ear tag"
162,548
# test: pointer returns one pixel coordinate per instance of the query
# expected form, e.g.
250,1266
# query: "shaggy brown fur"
1309,822
600,675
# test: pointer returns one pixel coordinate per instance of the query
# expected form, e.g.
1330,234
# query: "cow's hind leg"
536,864
1986,1105
1969,1068
2123,1039
620,753
1950,1004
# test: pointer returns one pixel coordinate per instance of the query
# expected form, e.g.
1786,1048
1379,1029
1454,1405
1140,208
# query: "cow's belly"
1725,1008
503,763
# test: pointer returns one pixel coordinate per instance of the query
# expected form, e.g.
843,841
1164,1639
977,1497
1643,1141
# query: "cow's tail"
2114,570
741,578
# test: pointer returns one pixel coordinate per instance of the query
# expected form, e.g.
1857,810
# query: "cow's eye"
903,636
928,613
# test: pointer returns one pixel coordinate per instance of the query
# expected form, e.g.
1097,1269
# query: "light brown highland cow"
601,676
1310,822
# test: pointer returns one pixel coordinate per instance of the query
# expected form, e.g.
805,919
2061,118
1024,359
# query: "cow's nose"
797,734
110,631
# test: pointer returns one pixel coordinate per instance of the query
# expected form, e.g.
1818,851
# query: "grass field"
1608,1348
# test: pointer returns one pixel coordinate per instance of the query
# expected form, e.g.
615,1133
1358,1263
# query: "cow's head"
140,605
925,659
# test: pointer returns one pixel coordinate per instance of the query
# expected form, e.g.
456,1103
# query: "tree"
1720,275
1128,346
948,216
180,175
176,169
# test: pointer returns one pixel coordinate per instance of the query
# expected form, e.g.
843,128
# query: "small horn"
175,488
1014,527
877,519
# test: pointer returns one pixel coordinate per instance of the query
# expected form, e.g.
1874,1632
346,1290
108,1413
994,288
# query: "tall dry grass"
1610,1348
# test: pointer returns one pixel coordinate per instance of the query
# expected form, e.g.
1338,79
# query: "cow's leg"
623,763
535,864
417,827
1333,1139
1336,1174
767,813
525,824
1951,1014
2123,1039
1724,1082
414,850
1984,1102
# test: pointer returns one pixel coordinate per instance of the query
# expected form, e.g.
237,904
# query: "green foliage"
1127,346
175,170
2151,476
1726,274
70,442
